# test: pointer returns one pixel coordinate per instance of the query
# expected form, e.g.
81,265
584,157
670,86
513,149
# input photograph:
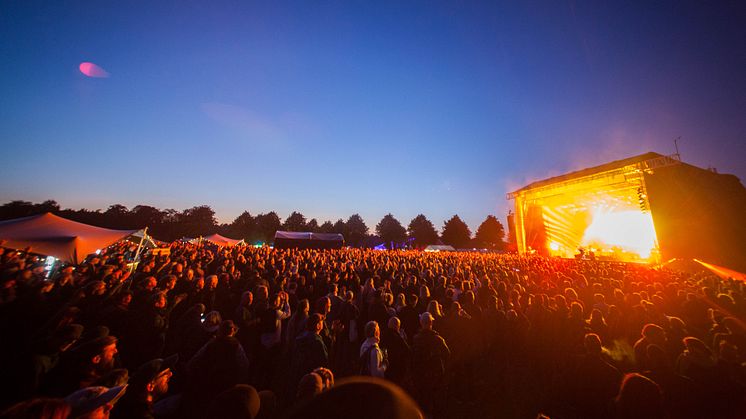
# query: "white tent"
49,234
221,240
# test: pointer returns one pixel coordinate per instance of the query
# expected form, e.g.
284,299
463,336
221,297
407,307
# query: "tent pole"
139,247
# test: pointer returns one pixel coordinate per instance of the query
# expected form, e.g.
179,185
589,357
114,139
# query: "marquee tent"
222,241
307,240
52,235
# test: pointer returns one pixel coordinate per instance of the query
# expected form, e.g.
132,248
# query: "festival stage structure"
647,208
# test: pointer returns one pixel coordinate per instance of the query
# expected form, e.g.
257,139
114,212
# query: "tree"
243,226
117,216
267,225
16,209
50,205
456,233
198,221
391,231
422,231
340,227
490,234
295,222
312,226
327,227
146,216
357,231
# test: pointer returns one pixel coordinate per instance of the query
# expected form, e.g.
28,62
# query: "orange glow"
629,231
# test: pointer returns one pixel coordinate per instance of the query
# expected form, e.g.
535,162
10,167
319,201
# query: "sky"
333,108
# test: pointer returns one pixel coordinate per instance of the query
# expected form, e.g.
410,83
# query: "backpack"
365,361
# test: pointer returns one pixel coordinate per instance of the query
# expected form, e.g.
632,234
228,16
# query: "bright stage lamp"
633,231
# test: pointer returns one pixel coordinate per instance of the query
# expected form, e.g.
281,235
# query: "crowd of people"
244,332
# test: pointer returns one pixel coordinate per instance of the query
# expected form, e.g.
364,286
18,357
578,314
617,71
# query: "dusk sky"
370,107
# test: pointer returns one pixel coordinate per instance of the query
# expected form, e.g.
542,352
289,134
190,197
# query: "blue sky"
333,108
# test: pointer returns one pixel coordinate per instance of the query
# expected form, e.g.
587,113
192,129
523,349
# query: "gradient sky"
332,108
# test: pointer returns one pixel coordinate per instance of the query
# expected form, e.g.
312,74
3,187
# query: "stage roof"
618,164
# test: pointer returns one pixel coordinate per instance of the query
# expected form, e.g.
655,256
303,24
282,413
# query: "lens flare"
92,70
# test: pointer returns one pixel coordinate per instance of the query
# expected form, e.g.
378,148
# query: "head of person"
310,385
315,323
433,307
303,306
372,330
592,344
159,300
639,397
227,329
327,377
394,324
239,401
94,402
654,333
323,305
247,298
99,353
426,320
153,377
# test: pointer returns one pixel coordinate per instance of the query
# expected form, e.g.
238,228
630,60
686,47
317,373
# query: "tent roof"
298,235
221,240
439,248
49,234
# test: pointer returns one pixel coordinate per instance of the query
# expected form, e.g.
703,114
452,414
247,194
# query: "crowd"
244,332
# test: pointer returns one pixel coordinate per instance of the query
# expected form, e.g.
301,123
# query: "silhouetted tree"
198,221
147,216
312,226
267,225
117,216
422,231
340,227
456,233
357,231
327,227
16,209
390,230
490,234
295,222
243,226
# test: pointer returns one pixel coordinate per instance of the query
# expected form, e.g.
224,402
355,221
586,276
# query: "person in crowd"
94,402
517,326
430,356
639,397
148,384
309,351
82,366
595,382
373,360
398,351
38,408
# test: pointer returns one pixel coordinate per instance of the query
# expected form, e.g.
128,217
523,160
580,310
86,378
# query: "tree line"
170,224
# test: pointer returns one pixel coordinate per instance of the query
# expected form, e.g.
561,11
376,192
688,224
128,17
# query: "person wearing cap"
430,356
94,402
148,383
48,355
82,366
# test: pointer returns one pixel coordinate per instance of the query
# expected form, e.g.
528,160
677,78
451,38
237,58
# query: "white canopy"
49,234
221,240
